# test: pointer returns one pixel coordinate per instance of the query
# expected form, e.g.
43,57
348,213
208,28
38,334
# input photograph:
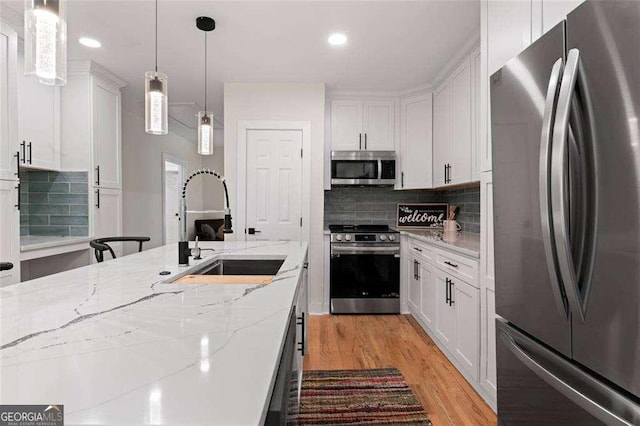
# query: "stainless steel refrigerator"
566,178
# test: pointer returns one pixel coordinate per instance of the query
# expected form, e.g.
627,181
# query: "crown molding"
467,48
84,67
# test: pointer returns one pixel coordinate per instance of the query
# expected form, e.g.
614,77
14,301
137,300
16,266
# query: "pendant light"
156,109
205,118
45,41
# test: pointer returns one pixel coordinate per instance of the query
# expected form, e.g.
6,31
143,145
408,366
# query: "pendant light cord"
205,73
156,36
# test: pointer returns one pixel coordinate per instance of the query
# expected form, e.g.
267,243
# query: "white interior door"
173,176
274,185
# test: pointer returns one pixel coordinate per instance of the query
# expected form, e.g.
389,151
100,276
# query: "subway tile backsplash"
377,205
54,203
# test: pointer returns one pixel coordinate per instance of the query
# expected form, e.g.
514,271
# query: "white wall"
142,179
284,102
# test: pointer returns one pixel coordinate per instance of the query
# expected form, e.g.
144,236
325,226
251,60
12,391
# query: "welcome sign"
422,215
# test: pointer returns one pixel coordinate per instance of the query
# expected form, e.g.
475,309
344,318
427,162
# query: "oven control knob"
338,237
392,237
347,237
383,237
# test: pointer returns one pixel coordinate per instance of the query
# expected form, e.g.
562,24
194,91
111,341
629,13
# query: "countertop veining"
117,345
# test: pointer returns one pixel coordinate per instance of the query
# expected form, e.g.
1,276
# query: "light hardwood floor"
338,342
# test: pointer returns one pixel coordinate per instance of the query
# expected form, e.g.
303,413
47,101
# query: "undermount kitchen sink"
235,271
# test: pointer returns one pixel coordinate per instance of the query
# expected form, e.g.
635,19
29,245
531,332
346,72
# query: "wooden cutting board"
225,279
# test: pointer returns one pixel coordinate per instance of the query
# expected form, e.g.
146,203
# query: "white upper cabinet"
8,120
107,147
456,125
476,115
509,30
362,125
379,125
38,122
553,12
461,125
416,140
346,125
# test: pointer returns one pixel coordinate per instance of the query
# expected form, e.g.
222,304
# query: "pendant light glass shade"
205,133
155,103
45,41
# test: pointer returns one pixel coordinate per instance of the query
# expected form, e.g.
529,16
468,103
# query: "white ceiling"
392,46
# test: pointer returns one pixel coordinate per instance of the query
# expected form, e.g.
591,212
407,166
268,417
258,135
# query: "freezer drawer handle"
593,396
453,265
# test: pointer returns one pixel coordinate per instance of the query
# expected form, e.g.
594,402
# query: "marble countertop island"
117,345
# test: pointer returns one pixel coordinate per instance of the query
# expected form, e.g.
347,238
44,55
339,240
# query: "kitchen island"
117,343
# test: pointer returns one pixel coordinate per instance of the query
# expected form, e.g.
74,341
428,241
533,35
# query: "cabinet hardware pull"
18,205
450,264
415,269
300,322
97,198
365,141
17,155
418,249
446,291
30,152
98,175
401,179
418,271
23,146
451,301
360,141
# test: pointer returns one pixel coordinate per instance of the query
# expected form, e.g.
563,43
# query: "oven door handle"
365,250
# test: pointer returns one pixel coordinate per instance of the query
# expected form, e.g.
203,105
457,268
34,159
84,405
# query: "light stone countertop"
465,243
37,242
117,345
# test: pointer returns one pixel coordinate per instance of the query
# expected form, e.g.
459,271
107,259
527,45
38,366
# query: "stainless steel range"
365,269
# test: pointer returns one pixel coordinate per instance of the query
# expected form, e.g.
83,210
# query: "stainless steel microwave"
376,168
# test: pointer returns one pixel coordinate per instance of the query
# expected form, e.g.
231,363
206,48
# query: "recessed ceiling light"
337,39
89,42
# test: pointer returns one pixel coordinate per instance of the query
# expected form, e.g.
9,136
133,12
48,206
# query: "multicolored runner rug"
358,397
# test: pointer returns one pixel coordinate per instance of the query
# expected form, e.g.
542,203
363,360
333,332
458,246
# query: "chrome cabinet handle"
545,184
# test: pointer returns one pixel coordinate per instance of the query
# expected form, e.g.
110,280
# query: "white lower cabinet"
447,303
9,231
107,216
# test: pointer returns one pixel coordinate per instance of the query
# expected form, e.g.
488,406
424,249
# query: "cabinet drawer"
458,266
417,248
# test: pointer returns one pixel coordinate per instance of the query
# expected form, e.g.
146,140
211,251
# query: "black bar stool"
100,245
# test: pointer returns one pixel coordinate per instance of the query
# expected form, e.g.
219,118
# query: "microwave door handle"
379,169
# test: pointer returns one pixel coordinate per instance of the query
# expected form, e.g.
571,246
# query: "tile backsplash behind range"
377,205
54,203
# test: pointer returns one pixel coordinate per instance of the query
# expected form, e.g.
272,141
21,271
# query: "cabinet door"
509,30
553,12
413,297
460,141
441,132
445,314
346,125
8,121
38,121
466,305
476,121
9,232
301,334
107,216
417,142
379,126
107,145
428,295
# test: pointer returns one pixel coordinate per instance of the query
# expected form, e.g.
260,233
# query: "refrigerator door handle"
544,188
595,397
578,299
